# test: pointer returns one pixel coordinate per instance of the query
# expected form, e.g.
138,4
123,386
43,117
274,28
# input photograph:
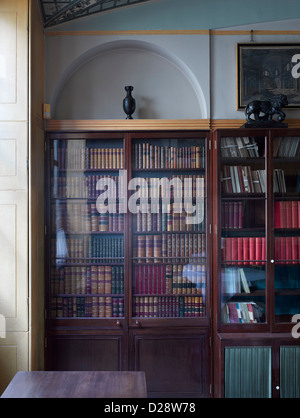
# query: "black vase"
129,103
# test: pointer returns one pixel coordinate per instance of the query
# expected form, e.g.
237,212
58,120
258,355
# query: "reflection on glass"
243,242
169,228
286,152
87,247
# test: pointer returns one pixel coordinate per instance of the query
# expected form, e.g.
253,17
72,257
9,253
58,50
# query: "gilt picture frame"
265,70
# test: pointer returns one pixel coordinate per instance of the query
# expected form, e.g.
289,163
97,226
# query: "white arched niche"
92,87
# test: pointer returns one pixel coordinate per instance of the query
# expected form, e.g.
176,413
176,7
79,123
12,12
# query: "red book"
294,214
240,225
234,248
277,208
136,280
150,279
295,249
282,214
282,249
263,249
288,251
258,250
246,250
252,246
288,205
141,280
236,214
277,248
240,250
228,249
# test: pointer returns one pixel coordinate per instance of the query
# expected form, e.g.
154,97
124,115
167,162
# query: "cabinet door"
106,351
170,250
286,251
241,215
248,372
290,372
86,229
176,362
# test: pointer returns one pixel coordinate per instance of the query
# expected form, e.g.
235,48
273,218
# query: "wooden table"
60,384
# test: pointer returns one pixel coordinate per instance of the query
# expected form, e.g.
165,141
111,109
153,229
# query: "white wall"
86,76
174,76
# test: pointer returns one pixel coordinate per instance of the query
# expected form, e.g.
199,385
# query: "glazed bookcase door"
86,266
169,226
286,252
242,188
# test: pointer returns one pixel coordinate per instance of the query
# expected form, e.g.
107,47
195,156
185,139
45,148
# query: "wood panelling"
13,155
13,259
13,60
13,356
88,352
176,362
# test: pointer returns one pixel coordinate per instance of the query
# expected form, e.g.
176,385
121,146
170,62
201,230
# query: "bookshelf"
256,252
169,236
258,184
127,250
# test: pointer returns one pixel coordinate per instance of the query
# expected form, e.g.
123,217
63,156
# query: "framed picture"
264,70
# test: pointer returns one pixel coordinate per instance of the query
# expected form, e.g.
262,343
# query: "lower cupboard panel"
176,363
87,352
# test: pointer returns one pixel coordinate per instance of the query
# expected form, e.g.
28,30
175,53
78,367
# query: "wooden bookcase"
129,289
198,306
256,256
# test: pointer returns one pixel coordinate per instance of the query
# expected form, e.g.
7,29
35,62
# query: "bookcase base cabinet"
87,352
176,362
257,367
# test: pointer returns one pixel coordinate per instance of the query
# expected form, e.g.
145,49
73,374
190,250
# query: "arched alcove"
92,87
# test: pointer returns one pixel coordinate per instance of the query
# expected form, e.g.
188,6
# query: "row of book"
83,280
91,186
287,249
168,307
232,214
286,147
239,147
241,179
82,217
244,250
287,214
148,156
252,250
171,220
172,187
84,249
169,279
87,307
168,248
242,312
234,281
85,187
78,157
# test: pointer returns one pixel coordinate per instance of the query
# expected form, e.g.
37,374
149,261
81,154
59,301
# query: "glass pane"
169,228
248,372
286,154
87,246
243,242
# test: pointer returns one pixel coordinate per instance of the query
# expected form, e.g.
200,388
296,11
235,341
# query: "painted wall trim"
214,32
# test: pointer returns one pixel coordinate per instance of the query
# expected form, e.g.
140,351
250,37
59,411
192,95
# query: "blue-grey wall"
188,15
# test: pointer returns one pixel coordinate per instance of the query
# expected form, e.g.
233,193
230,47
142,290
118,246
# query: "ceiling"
55,12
